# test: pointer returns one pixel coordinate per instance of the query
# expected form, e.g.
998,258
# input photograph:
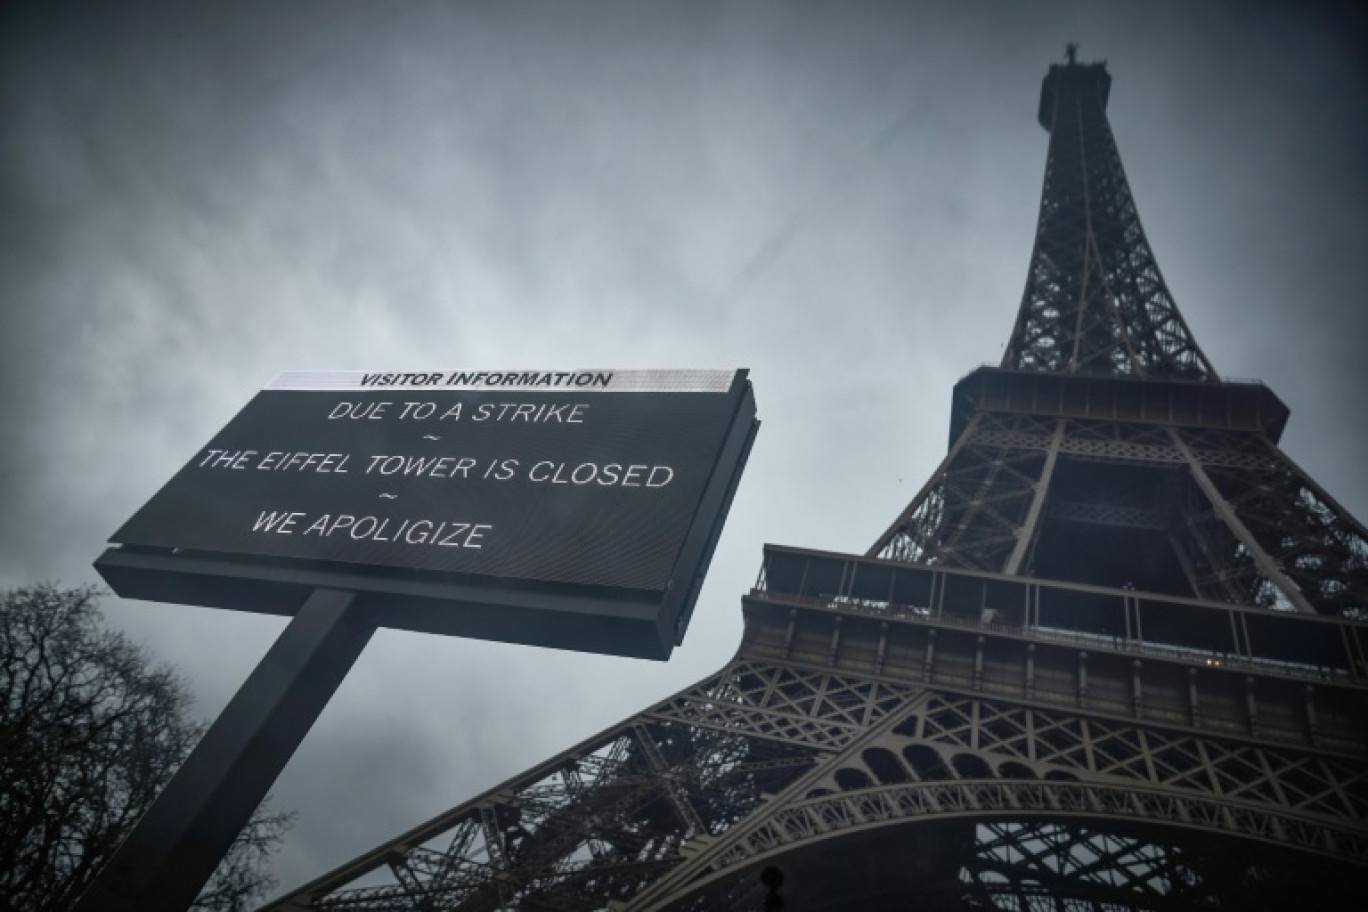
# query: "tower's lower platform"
908,737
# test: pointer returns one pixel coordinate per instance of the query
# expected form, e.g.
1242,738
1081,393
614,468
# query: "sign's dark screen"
595,488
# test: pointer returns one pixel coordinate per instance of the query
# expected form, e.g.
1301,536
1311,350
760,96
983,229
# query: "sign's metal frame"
630,622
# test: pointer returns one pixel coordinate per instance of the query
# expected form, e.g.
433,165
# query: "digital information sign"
576,509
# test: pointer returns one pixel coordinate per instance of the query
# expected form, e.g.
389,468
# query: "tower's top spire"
1095,301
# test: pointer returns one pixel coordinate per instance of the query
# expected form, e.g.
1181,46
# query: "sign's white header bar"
547,381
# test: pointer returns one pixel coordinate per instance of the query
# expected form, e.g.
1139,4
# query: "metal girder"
1265,564
1028,528
605,818
973,511
950,757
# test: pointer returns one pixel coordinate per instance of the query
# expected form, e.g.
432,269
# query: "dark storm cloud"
840,197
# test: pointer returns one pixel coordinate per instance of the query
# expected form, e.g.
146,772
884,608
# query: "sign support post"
574,509
177,844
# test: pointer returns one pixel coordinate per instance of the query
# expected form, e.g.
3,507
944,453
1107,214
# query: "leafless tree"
90,731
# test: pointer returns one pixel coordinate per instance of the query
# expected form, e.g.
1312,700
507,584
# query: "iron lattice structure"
1112,656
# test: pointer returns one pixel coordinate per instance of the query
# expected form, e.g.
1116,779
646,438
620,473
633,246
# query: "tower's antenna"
1071,51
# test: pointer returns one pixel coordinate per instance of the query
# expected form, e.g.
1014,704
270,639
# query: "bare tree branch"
91,729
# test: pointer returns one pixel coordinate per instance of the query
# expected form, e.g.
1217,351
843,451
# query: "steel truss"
1250,526
1113,655
1095,300
764,759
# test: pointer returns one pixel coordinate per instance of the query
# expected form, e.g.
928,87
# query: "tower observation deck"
1113,655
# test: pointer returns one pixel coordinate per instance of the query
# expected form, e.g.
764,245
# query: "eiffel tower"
1113,655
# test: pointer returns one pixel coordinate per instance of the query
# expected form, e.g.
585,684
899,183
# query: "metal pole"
175,847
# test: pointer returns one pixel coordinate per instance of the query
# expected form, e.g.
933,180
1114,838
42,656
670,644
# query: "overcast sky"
840,197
